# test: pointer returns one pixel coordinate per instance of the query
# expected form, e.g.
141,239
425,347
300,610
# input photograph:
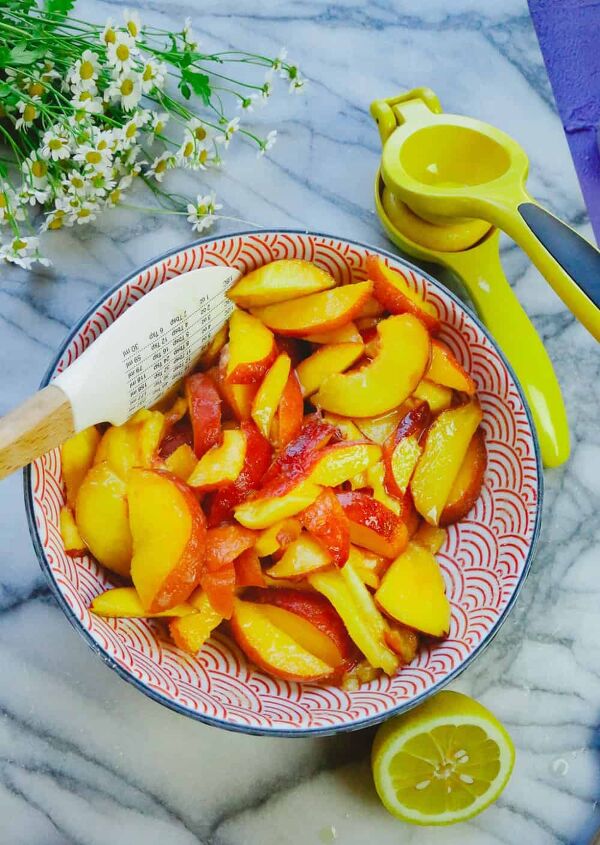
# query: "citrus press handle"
569,263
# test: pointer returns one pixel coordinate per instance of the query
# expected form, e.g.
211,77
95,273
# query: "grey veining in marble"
84,758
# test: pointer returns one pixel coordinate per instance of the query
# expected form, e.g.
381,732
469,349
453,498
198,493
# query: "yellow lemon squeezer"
446,184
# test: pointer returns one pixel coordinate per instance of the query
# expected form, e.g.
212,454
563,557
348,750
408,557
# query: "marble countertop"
87,759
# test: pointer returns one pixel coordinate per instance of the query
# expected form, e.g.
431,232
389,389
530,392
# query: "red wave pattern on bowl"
483,560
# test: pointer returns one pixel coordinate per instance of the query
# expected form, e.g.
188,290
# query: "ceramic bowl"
484,561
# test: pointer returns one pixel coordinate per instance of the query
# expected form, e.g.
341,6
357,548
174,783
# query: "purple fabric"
569,35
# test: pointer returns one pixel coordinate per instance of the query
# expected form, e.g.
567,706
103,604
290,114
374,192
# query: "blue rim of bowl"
280,731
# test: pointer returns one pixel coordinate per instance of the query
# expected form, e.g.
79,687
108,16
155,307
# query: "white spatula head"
148,348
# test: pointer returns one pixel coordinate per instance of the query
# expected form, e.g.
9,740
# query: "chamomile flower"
159,122
202,214
279,61
189,41
160,165
126,89
153,76
28,111
35,169
84,73
132,23
56,143
128,133
109,33
86,211
121,52
95,160
9,206
56,219
246,104
228,132
116,194
297,82
87,102
22,251
74,183
268,142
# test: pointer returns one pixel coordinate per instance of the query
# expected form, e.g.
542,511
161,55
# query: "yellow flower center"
115,196
131,130
83,212
188,149
39,169
86,71
200,133
126,87
102,145
85,95
203,156
122,52
159,127
77,182
93,157
29,113
56,144
18,244
36,89
109,36
148,73
57,221
132,28
3,203
161,166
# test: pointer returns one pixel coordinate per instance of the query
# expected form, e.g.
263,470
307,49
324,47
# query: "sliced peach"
318,312
222,464
205,412
301,557
252,349
288,278
328,359
392,290
272,649
370,338
178,434
219,586
182,461
264,512
402,449
437,397
371,309
354,604
290,413
345,334
133,444
359,481
102,517
328,524
74,545
412,592
387,380
430,536
468,483
221,503
211,354
269,393
169,532
444,369
372,525
403,641
368,566
238,397
190,632
333,645
378,429
375,480
248,571
341,461
278,536
294,347
225,543
296,461
347,429
77,456
124,602
445,448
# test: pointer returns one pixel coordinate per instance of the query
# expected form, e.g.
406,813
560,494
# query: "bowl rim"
369,721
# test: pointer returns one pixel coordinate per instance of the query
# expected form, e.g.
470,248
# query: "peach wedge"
467,484
444,369
252,349
269,394
77,456
395,294
222,464
330,358
387,380
279,281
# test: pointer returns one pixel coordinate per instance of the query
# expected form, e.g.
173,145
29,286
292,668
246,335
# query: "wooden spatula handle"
41,423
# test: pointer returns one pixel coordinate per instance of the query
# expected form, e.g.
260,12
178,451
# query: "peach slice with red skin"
278,281
345,334
278,537
252,349
226,543
272,649
221,503
326,521
77,456
263,512
316,610
74,545
222,464
403,641
388,379
219,586
318,312
402,449
444,369
341,461
102,517
191,631
295,462
290,412
395,294
205,412
444,451
328,359
468,483
301,557
248,571
237,397
372,525
169,534
178,434
268,396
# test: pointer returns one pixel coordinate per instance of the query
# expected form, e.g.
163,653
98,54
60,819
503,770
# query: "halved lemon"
443,762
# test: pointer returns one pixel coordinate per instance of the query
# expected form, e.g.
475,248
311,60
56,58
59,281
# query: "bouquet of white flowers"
86,109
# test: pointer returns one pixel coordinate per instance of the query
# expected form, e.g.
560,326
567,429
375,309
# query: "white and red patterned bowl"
485,559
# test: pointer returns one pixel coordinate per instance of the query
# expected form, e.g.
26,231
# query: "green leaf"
59,8
3,170
185,90
199,83
21,55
